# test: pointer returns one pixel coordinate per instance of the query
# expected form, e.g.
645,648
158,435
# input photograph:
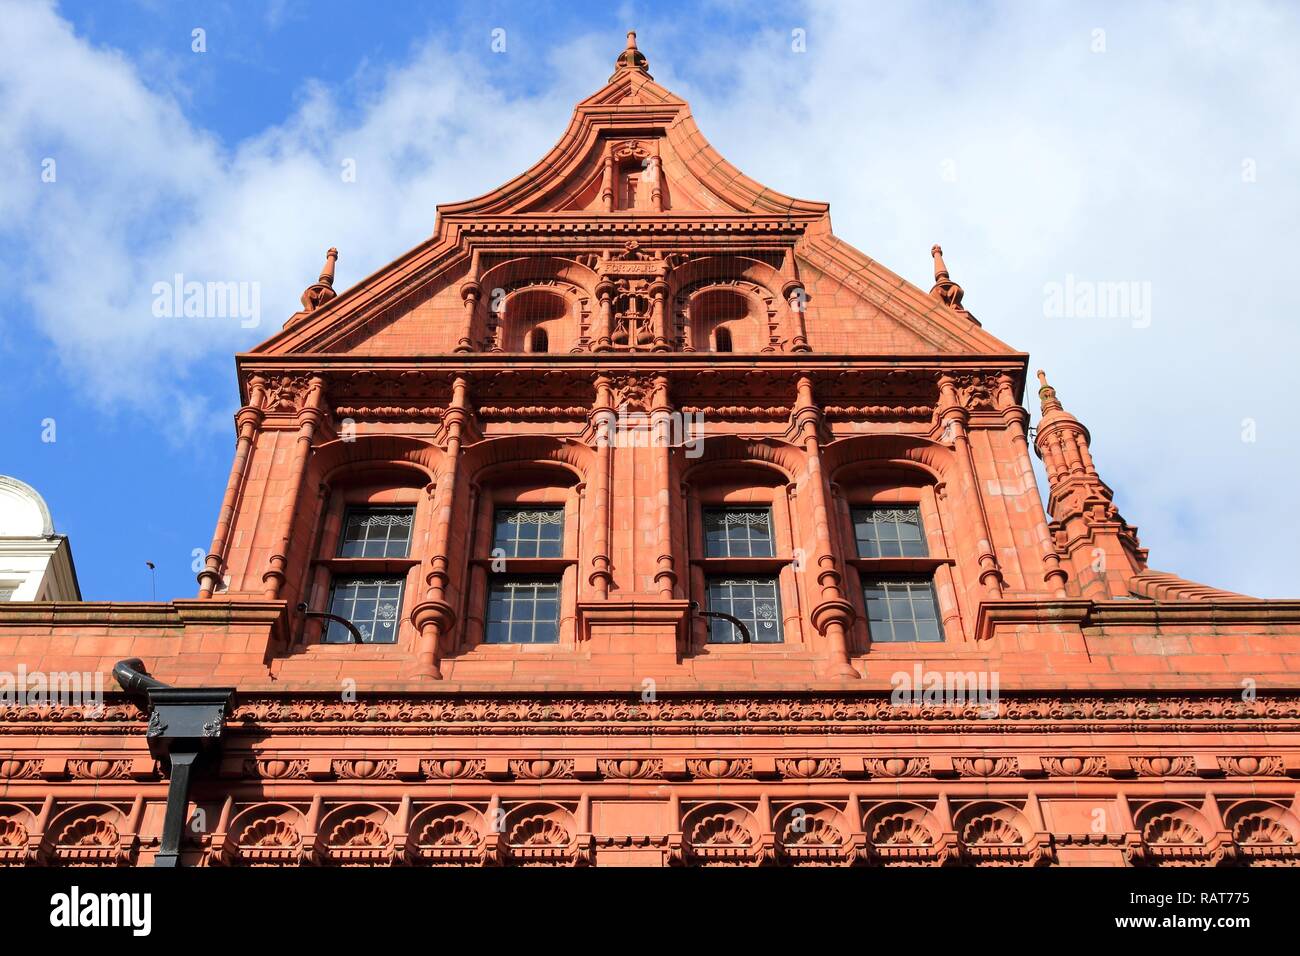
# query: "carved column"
434,616
607,180
661,421
310,417
658,324
832,615
471,292
604,293
247,421
954,418
795,296
602,413
656,183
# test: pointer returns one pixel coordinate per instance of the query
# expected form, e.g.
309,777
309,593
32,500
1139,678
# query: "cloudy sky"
1051,149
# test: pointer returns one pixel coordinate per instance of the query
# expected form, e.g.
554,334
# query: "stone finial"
632,58
1047,395
322,290
945,290
940,268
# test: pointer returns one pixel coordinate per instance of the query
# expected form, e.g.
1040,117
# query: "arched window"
366,558
538,341
898,554
742,557
722,340
523,566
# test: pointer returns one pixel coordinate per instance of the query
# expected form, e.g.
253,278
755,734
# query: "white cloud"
1122,165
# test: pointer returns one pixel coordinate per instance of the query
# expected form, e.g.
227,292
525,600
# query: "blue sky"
1041,144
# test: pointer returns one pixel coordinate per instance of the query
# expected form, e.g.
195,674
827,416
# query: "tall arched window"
722,340
741,556
524,557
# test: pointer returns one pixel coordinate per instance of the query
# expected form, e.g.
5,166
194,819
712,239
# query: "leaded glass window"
752,599
523,611
738,532
902,609
374,605
528,533
889,533
376,533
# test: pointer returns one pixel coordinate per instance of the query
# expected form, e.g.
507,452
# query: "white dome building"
35,563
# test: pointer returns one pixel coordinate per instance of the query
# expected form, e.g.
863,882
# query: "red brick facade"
637,337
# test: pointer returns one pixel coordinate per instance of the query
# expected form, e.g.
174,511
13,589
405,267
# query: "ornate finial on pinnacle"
940,269
322,290
632,58
945,290
1047,395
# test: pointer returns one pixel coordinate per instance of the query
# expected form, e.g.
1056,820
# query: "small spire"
322,290
327,271
945,290
940,268
632,58
1047,395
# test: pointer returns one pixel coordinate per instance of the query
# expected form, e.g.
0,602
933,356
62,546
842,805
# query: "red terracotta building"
661,527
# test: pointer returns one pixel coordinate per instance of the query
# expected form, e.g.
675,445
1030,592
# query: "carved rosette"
809,768
440,769
631,769
364,769
720,768
1164,766
985,766
271,768
897,766
1070,766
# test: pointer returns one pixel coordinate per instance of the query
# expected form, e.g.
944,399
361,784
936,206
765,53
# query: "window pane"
889,533
523,611
374,605
528,532
376,533
738,532
752,599
900,609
